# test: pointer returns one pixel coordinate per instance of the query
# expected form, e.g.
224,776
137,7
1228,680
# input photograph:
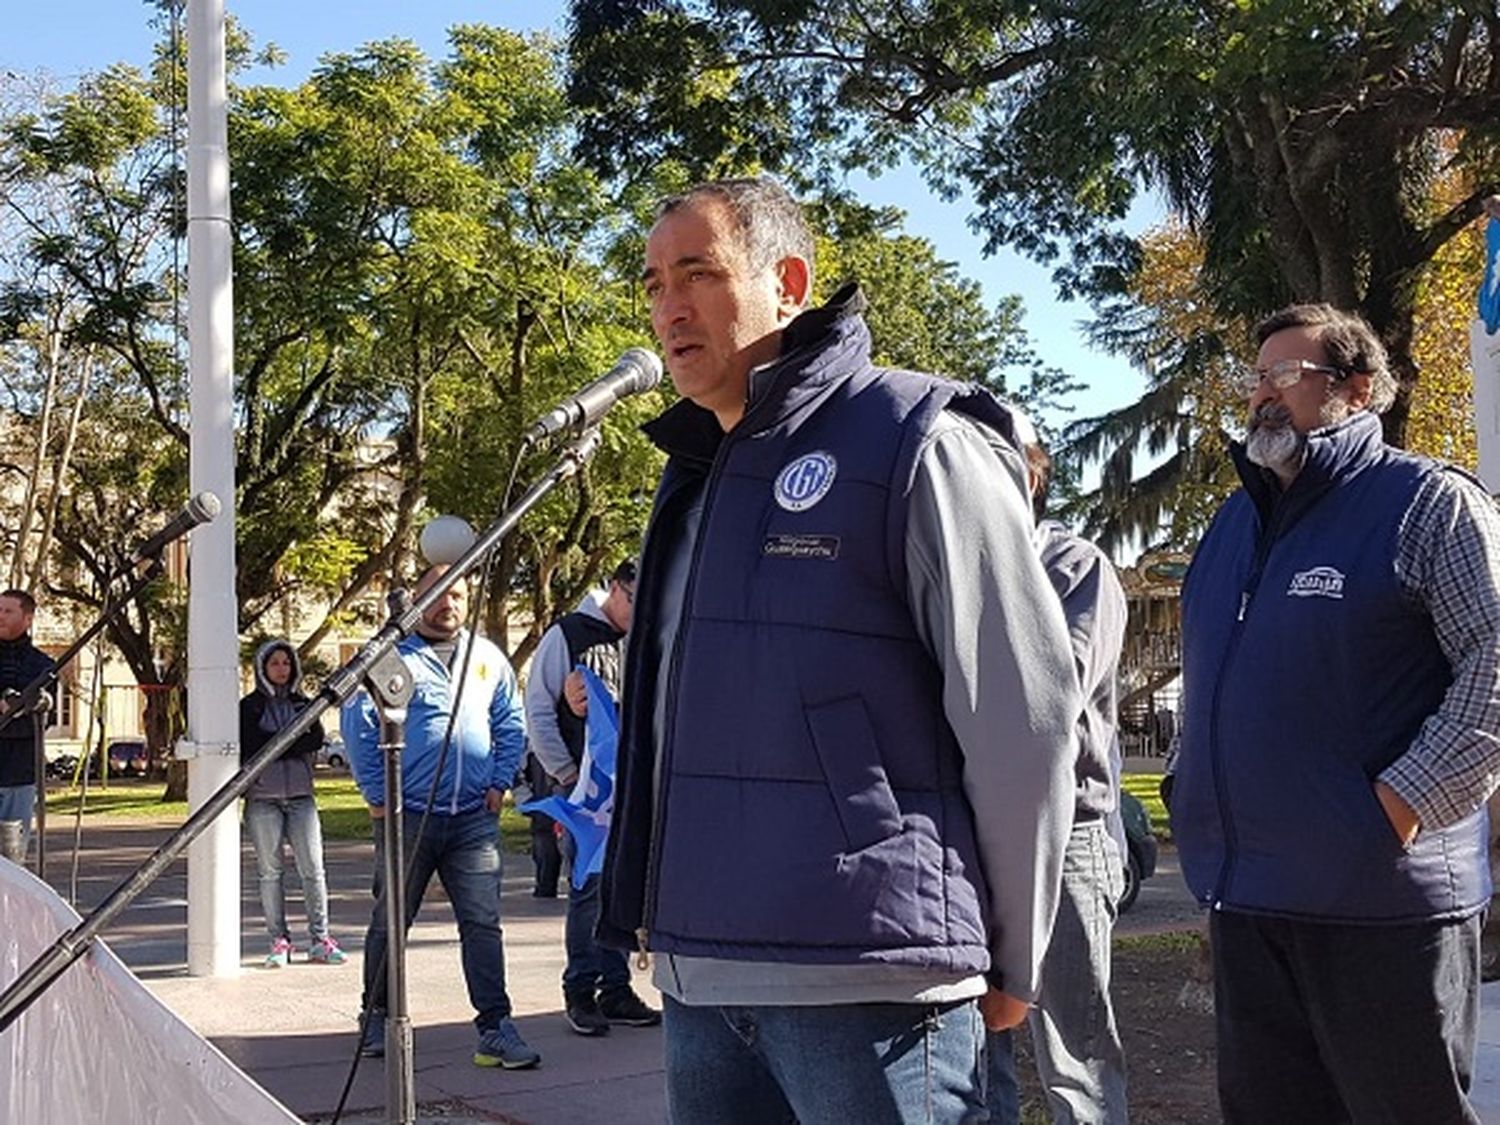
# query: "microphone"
200,509
638,370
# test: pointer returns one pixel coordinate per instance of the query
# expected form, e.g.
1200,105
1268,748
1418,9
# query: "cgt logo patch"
1319,582
805,481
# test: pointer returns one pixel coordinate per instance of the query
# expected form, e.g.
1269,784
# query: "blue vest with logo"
1307,670
810,790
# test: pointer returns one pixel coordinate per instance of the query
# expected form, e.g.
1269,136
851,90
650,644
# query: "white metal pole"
213,645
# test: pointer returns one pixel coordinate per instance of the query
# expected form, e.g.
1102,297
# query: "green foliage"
1301,141
925,316
421,268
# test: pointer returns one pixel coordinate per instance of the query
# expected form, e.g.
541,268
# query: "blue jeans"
1003,1094
825,1065
1323,1022
1073,1032
464,851
591,967
18,802
294,819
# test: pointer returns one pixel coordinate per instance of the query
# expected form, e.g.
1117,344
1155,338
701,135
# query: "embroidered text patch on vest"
805,481
1319,582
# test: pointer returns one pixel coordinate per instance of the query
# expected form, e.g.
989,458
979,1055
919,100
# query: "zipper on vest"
1252,583
642,950
674,676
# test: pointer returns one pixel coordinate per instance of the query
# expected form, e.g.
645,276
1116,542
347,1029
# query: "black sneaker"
622,1005
372,1042
584,1016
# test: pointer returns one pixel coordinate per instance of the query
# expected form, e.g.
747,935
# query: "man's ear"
793,285
1357,390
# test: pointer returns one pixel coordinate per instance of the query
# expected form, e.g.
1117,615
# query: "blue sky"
70,37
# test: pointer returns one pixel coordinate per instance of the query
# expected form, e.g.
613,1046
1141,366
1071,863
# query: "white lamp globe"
444,539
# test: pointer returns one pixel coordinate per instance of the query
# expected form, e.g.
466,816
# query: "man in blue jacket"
460,841
1340,734
845,779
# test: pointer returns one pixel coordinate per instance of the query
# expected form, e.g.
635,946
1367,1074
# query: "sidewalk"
293,1029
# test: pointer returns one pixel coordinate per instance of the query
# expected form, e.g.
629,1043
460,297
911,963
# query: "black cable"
475,612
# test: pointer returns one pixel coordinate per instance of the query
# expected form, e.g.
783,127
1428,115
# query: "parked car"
1140,848
332,753
128,757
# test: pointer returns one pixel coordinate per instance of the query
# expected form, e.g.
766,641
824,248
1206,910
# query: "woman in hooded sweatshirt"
280,805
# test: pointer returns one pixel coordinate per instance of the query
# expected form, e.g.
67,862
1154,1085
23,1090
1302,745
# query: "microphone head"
647,367
204,506
445,539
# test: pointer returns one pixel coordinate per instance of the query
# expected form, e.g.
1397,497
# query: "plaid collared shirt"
1448,561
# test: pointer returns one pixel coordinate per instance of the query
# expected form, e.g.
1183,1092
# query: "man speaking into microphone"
846,751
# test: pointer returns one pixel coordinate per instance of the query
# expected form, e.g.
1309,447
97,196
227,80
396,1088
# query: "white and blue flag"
1489,289
586,811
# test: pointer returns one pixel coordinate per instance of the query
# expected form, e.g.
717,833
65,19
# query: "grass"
340,807
1144,787
1186,940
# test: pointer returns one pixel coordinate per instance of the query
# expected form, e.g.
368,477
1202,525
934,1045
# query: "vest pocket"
849,756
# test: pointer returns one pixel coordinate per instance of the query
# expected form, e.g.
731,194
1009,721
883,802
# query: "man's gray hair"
769,219
1348,342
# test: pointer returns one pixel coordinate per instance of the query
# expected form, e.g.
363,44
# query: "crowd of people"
864,817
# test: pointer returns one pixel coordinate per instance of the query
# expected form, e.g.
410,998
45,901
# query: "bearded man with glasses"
1340,735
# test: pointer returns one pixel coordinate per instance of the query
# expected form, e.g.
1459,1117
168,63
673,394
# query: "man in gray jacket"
596,979
1073,1030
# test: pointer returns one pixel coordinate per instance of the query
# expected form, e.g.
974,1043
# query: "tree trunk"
18,567
60,470
165,722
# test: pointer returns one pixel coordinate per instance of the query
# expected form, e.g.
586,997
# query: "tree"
924,316
1166,325
1298,139
421,268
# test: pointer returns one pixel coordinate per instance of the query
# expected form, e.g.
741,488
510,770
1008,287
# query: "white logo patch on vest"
1319,582
805,481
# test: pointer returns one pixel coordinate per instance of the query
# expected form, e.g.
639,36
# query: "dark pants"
591,967
1323,1023
464,851
545,855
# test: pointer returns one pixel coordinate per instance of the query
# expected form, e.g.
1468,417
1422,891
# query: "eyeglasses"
1283,373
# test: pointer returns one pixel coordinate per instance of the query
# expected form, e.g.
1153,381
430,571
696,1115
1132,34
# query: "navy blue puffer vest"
1306,671
811,808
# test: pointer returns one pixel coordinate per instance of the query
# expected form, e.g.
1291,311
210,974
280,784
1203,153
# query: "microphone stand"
30,698
380,667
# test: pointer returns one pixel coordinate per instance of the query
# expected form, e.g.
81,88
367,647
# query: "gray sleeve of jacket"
988,613
544,686
1094,606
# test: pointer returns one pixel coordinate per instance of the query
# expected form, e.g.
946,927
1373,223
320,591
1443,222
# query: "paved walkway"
293,1029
